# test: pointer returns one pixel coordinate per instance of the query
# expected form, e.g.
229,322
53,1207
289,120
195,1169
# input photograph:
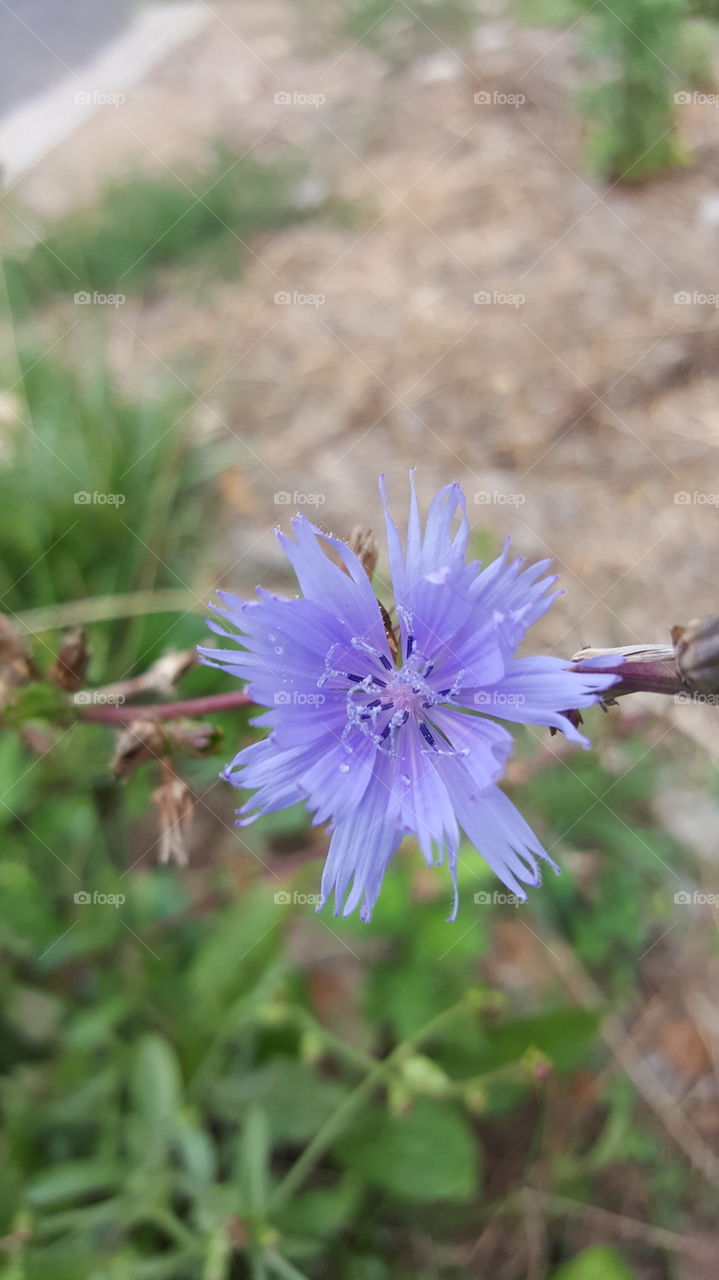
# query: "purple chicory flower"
382,740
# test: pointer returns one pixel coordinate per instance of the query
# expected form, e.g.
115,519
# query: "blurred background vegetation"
207,1080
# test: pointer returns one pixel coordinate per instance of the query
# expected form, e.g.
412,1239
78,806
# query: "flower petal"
538,690
348,596
497,830
361,849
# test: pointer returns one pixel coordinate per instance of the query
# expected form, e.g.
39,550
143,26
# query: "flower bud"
536,1063
141,741
193,737
164,674
71,664
312,1045
475,1098
174,803
697,653
365,546
16,663
421,1075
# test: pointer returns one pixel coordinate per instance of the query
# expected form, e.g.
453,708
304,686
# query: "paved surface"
43,41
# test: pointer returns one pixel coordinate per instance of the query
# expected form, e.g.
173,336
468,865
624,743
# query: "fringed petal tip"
245,822
455,900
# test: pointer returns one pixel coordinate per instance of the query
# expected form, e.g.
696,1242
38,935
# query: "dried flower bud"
167,670
697,653
71,664
193,737
37,740
365,546
16,663
141,741
174,803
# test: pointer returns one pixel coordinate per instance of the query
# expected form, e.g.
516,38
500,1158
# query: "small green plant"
548,13
400,31
631,113
145,223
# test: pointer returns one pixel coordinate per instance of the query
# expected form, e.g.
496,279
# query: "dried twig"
583,989
619,1224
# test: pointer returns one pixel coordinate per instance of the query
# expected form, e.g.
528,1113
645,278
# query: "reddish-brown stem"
125,714
641,668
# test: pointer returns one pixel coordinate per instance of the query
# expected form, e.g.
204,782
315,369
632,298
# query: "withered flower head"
174,805
70,667
365,546
141,741
16,663
697,652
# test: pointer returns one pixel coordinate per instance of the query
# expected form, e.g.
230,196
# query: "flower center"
382,700
406,696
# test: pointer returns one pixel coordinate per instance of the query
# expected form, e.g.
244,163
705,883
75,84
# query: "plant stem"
283,1269
647,668
109,608
125,714
334,1124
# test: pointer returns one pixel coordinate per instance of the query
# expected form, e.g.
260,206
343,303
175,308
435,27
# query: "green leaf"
324,1211
428,1153
196,1150
564,1035
296,1097
73,1180
36,701
156,1084
91,1027
156,1094
599,1262
241,946
253,1161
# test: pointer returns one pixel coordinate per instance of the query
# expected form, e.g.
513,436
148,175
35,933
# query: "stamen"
410,645
426,733
385,662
